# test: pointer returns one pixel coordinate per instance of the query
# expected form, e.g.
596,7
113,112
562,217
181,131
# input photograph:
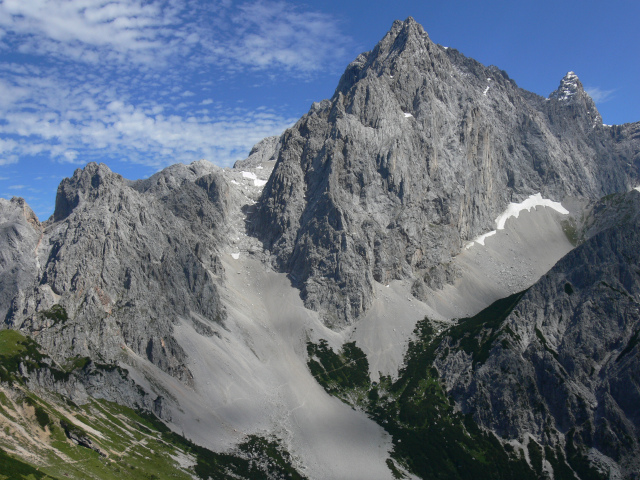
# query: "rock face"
120,262
20,233
265,150
564,365
418,151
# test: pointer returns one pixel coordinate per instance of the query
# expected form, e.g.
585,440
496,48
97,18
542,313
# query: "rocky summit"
432,274
417,152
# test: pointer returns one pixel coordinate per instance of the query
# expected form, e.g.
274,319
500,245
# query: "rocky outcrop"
564,364
418,151
121,261
266,150
20,234
104,381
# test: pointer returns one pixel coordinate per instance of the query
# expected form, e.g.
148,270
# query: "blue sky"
142,84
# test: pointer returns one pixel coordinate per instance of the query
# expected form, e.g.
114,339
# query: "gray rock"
107,382
266,150
419,150
80,438
566,360
126,260
20,234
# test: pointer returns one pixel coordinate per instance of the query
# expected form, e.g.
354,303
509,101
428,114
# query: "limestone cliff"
418,151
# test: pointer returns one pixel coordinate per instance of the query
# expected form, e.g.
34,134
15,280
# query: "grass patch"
429,437
343,374
535,456
557,460
134,451
57,313
256,458
570,230
12,343
42,417
475,335
16,349
11,468
397,474
579,461
76,363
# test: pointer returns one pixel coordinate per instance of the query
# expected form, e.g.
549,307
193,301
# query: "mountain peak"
402,36
408,23
86,182
571,93
570,85
406,43
406,30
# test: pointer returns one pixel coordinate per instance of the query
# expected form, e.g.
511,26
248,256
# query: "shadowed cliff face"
418,151
565,362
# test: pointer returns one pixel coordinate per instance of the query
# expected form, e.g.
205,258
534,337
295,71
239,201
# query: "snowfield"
513,211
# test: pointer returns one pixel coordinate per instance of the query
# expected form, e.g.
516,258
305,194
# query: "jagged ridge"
418,151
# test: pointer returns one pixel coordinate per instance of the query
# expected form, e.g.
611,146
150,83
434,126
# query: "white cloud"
258,35
127,79
278,34
599,95
80,121
16,187
131,29
8,160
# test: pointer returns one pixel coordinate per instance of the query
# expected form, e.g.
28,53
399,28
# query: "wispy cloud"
258,35
8,160
77,123
89,80
90,30
278,34
599,95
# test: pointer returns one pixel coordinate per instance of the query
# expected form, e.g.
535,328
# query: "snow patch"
235,256
514,209
637,188
407,115
486,90
256,181
481,238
